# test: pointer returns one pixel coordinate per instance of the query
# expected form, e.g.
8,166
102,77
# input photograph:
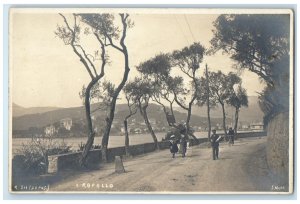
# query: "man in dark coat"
183,144
183,141
215,139
231,136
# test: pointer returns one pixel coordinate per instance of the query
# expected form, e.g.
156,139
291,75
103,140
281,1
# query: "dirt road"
241,167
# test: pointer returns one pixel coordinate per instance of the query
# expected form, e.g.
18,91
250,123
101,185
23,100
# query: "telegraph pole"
207,102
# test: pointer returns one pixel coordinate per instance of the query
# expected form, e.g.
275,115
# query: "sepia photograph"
151,101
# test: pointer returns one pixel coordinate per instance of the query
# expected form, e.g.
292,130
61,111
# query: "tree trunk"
91,133
143,111
224,120
110,119
189,113
187,132
164,109
126,138
171,108
105,137
236,120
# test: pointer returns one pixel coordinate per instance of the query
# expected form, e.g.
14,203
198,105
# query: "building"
245,127
152,121
137,131
50,130
115,123
257,126
66,123
122,130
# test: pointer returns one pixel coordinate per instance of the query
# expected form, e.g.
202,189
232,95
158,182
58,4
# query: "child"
173,147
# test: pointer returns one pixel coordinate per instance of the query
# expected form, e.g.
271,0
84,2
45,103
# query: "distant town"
68,127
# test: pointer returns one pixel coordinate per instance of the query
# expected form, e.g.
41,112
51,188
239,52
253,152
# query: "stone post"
119,167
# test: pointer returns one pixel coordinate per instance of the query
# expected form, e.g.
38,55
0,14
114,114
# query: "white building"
152,121
66,123
137,130
257,126
50,130
122,130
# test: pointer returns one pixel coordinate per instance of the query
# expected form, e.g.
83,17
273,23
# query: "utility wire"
181,30
186,20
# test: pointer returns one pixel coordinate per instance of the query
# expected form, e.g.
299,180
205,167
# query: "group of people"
214,140
174,146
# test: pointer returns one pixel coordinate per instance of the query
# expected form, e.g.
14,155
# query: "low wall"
70,160
278,148
249,134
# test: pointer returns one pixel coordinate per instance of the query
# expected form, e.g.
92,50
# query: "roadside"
241,168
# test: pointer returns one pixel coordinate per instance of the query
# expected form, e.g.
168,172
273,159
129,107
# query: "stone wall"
70,160
249,134
278,148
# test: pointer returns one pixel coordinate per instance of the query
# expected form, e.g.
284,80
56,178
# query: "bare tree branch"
73,32
112,44
86,56
179,103
102,55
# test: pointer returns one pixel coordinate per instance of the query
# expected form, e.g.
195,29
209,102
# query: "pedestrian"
183,144
215,139
173,146
231,136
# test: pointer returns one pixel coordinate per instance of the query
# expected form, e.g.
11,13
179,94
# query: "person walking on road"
173,146
183,140
231,136
183,144
215,139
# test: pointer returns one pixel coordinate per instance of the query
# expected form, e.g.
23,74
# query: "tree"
141,90
103,25
205,97
132,106
157,69
238,99
165,90
101,94
268,103
188,61
261,44
71,36
222,88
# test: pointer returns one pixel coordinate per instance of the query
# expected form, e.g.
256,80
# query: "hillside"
18,111
42,119
250,114
78,113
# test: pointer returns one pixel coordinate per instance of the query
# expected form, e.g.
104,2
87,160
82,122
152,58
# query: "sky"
45,72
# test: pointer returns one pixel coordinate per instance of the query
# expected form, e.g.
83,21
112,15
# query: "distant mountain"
24,118
156,112
250,114
45,118
78,114
19,110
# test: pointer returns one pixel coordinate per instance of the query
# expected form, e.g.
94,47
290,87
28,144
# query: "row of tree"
157,84
161,77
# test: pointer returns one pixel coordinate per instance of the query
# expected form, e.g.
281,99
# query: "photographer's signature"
277,188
